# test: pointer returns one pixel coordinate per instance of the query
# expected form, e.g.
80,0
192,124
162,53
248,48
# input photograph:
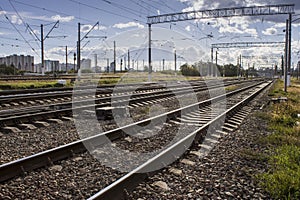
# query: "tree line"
204,69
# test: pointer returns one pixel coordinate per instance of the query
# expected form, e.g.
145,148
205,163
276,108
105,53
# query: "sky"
125,22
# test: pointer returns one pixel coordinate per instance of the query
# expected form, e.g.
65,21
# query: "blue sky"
124,21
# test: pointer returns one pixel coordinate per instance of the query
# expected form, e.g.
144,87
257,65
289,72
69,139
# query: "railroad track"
52,95
28,116
119,188
180,117
10,98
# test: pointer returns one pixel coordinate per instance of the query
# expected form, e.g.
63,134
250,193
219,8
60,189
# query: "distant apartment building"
86,64
62,66
21,62
50,65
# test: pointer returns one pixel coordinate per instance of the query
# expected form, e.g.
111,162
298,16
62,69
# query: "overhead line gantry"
216,13
246,44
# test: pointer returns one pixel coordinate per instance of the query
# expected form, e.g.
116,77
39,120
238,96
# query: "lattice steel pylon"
216,13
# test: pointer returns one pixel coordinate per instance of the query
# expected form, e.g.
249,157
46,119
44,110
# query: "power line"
106,11
7,28
23,21
140,5
20,33
49,10
177,25
122,7
173,10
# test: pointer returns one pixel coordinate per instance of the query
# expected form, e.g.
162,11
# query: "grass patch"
231,88
108,81
29,85
252,155
262,115
282,180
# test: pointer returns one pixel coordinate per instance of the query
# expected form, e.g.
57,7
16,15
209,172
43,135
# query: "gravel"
225,173
82,176
76,178
28,142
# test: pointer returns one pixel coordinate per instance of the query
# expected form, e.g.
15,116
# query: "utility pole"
133,64
42,49
107,63
115,63
240,66
42,44
216,58
78,51
143,63
128,59
121,64
125,62
79,46
163,64
96,64
298,66
212,60
66,59
74,61
282,66
175,61
149,55
290,50
237,66
216,74
286,55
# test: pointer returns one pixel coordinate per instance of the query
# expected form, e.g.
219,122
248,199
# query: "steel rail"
134,177
100,88
18,167
64,108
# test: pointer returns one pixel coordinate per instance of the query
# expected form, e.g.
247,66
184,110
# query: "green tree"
8,70
187,70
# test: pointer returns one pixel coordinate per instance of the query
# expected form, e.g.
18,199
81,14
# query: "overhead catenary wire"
24,23
49,10
20,34
105,11
156,8
124,8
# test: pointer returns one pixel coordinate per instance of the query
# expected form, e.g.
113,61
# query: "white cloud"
230,29
158,12
128,25
62,19
188,28
37,32
270,31
280,25
27,15
239,25
87,27
16,20
251,31
2,12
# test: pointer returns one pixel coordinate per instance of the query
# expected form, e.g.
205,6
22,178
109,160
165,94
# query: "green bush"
283,182
285,120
